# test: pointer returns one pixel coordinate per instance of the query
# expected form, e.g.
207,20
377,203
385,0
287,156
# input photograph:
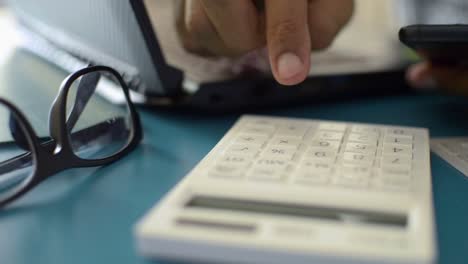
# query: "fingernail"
289,65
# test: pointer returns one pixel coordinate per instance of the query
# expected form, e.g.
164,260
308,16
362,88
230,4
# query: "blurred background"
368,44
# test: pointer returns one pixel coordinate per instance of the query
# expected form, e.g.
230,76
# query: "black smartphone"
441,44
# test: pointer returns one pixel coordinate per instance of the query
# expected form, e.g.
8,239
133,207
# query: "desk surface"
87,215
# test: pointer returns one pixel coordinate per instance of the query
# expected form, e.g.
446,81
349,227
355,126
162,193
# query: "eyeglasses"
83,133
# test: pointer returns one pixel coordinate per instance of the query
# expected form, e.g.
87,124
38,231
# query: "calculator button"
251,140
396,162
318,166
363,171
265,174
356,158
285,142
231,160
284,153
292,130
242,150
324,144
339,127
407,137
322,155
398,140
399,132
329,135
360,148
227,171
262,130
399,150
365,130
370,139
278,164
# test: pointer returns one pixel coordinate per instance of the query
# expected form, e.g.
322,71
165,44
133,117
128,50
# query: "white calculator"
282,190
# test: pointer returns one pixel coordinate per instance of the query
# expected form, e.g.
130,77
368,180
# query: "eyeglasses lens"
17,163
97,128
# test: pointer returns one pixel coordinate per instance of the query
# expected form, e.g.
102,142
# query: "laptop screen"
102,32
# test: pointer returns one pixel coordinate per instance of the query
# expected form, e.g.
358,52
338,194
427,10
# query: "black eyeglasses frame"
49,159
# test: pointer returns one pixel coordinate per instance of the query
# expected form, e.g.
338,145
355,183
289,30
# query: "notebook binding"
73,61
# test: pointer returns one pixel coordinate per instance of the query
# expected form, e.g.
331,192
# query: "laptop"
132,37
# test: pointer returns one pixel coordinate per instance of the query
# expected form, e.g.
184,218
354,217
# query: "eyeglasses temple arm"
87,134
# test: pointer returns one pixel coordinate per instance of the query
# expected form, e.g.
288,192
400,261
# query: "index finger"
288,39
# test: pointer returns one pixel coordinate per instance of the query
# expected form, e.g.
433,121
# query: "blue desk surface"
87,215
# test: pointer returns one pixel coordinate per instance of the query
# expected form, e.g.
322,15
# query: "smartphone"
441,44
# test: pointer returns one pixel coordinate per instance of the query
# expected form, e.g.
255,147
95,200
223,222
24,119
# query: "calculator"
283,190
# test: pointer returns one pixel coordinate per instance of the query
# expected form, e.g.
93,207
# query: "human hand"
427,76
289,30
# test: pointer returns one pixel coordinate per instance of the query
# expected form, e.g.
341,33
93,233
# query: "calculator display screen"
344,215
